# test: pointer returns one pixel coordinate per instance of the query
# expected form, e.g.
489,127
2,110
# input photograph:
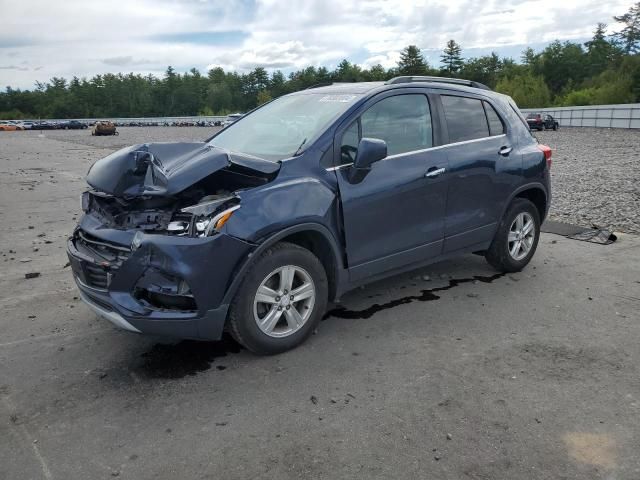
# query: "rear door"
484,169
395,216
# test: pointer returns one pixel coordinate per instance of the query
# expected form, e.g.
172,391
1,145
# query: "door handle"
434,172
504,151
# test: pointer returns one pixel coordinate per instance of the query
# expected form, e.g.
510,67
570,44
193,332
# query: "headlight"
203,219
216,223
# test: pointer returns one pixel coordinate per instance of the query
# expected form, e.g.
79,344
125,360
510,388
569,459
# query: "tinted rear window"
466,119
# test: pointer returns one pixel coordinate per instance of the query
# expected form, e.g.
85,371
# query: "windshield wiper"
298,149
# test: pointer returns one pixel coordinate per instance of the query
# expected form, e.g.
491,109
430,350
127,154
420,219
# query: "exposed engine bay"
141,188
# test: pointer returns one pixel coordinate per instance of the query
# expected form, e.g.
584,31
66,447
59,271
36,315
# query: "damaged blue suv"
303,199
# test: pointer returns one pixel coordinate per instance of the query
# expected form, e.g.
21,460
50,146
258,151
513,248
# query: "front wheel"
517,237
281,300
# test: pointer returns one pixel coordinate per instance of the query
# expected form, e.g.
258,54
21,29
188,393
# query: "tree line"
604,70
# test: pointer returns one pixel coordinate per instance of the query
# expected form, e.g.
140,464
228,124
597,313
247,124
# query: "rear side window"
465,117
496,127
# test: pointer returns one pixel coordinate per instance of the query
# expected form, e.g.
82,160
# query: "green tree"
484,69
412,62
562,64
527,90
600,51
347,72
629,36
263,97
451,58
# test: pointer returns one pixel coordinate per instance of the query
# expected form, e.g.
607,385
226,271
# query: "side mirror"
370,150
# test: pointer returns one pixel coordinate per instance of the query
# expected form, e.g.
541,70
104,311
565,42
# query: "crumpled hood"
163,169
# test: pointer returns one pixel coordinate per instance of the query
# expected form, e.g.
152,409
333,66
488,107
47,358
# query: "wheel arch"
536,193
314,237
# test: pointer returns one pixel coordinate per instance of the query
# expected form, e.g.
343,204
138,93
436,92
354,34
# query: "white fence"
608,116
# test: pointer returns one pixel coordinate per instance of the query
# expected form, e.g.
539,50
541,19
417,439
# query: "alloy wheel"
284,301
521,236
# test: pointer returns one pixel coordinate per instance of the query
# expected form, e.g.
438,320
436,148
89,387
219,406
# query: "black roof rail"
421,78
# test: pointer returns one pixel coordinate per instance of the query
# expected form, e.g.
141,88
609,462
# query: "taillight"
547,153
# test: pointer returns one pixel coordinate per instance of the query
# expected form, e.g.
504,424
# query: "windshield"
279,129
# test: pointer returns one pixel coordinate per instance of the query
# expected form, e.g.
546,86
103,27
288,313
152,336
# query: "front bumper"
111,285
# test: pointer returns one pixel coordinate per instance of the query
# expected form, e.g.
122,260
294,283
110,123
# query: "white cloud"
41,39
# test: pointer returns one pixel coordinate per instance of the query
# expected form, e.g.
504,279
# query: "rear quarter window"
496,125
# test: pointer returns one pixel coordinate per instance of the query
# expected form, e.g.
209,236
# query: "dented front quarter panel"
303,192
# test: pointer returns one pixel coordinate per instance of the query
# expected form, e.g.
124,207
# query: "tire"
280,329
504,254
555,127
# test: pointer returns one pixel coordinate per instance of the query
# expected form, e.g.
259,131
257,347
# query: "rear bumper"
206,265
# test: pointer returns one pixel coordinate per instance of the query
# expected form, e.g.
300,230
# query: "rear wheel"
517,237
281,300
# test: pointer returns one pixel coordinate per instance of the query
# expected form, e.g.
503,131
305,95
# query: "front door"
395,216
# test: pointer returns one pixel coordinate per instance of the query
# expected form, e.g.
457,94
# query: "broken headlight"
203,219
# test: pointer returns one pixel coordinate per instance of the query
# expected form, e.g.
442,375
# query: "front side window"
465,117
349,145
402,121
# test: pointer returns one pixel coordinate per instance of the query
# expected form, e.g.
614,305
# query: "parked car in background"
9,127
256,229
234,117
26,125
44,125
72,125
542,121
104,128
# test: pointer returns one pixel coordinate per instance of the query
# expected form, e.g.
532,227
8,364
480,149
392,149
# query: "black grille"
107,259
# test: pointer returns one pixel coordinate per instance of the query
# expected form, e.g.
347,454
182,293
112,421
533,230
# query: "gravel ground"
449,372
596,177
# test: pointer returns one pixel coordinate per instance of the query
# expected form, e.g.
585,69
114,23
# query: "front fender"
282,204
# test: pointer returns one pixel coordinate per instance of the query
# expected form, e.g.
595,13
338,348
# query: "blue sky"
41,39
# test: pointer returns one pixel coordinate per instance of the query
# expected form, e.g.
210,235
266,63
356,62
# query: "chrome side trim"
113,317
439,147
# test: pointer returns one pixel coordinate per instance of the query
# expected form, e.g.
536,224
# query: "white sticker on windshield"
337,98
